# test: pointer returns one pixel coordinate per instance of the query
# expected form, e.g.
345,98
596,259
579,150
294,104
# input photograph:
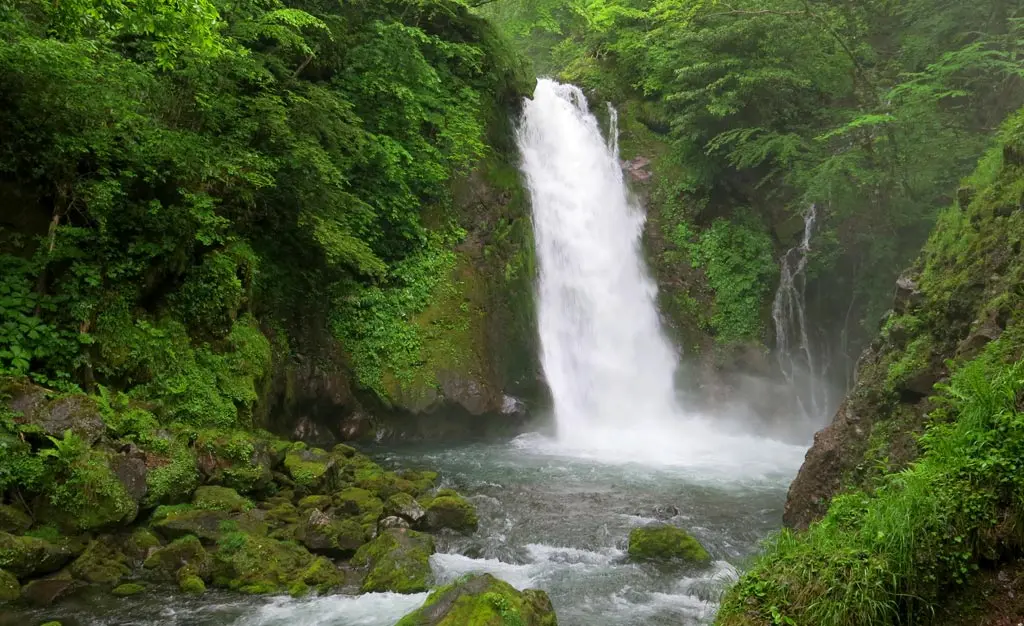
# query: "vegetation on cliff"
752,111
910,518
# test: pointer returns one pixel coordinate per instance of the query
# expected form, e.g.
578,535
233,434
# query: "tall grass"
886,557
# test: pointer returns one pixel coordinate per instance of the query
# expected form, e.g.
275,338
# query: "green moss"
398,561
263,565
421,481
190,582
220,499
128,589
203,523
101,563
10,590
451,511
308,468
13,519
665,543
482,600
314,502
173,481
361,504
164,563
31,556
88,494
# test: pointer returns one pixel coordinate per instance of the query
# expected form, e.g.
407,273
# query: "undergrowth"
886,557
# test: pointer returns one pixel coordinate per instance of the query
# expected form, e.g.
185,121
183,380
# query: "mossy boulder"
164,563
139,544
99,489
360,504
483,600
220,499
189,581
239,459
173,473
405,506
420,481
31,556
665,543
102,563
178,522
75,412
338,538
46,591
253,564
10,590
309,468
128,589
398,560
321,502
450,511
13,519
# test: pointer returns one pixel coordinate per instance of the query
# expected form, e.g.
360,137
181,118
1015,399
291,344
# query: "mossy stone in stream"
309,468
10,590
451,511
483,600
179,521
254,564
189,581
128,589
398,561
338,538
665,543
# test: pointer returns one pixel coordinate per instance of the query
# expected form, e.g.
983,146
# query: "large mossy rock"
102,563
176,522
187,552
665,543
75,412
483,600
398,561
31,556
450,510
253,564
13,519
309,468
337,538
238,459
220,499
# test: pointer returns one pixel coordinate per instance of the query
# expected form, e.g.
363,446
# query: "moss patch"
398,561
665,543
483,600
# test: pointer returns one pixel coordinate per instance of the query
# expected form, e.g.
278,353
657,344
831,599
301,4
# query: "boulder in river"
483,599
660,542
398,561
450,510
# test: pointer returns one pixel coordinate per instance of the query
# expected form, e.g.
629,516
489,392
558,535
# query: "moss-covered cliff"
914,490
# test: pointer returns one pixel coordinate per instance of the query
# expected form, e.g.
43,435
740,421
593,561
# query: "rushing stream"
555,513
548,519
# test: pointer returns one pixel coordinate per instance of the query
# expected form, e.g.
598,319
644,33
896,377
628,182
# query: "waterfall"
605,357
804,373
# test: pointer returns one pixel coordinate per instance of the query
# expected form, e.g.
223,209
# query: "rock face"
961,294
483,600
659,542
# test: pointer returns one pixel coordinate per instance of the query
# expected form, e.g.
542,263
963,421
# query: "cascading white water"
603,351
797,362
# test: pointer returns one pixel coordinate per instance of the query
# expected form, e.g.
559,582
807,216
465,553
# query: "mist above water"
607,361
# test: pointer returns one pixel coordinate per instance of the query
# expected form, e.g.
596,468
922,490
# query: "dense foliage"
175,179
871,110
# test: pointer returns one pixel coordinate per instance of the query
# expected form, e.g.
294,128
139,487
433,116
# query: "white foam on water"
448,567
371,609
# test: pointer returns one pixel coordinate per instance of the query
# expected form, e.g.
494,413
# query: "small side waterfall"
606,360
797,360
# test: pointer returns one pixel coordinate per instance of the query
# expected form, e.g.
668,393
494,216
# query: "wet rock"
46,591
220,499
398,560
164,563
128,589
908,295
258,565
31,556
180,522
75,412
309,468
102,563
405,506
483,599
659,542
190,582
131,471
321,533
392,522
450,511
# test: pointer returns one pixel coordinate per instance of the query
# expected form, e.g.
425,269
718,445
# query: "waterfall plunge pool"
551,517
